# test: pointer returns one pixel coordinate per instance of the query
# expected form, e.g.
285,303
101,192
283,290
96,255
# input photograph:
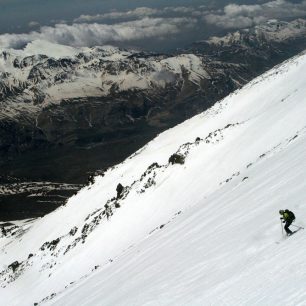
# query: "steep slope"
203,232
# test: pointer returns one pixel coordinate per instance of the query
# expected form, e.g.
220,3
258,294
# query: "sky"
146,24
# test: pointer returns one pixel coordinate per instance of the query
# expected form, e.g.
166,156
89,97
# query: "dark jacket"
288,216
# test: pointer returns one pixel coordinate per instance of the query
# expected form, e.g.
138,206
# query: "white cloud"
85,34
33,24
180,9
139,12
237,16
228,22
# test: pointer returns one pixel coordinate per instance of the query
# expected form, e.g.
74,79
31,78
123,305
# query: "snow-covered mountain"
272,31
66,112
190,219
53,95
88,97
91,72
76,100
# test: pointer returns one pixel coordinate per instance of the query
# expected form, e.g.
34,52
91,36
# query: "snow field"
205,233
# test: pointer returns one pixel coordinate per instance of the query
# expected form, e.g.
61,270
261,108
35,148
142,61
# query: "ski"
286,237
297,230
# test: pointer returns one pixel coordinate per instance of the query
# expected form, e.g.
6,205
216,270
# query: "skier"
287,217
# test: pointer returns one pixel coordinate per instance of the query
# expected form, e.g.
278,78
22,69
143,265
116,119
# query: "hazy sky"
149,24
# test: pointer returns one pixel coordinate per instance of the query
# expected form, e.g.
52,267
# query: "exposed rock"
176,159
119,190
14,266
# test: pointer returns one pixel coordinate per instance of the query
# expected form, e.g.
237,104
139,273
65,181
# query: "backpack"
290,214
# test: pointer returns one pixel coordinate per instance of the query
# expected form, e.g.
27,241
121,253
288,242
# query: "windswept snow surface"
203,233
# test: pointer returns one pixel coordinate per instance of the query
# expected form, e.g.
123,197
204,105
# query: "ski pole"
282,228
297,226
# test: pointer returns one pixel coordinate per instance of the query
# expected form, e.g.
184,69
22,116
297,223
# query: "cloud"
137,13
85,34
33,24
180,9
238,16
164,76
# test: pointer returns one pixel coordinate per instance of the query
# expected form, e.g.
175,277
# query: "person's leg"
286,227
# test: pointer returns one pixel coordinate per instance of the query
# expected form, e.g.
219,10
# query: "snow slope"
203,233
